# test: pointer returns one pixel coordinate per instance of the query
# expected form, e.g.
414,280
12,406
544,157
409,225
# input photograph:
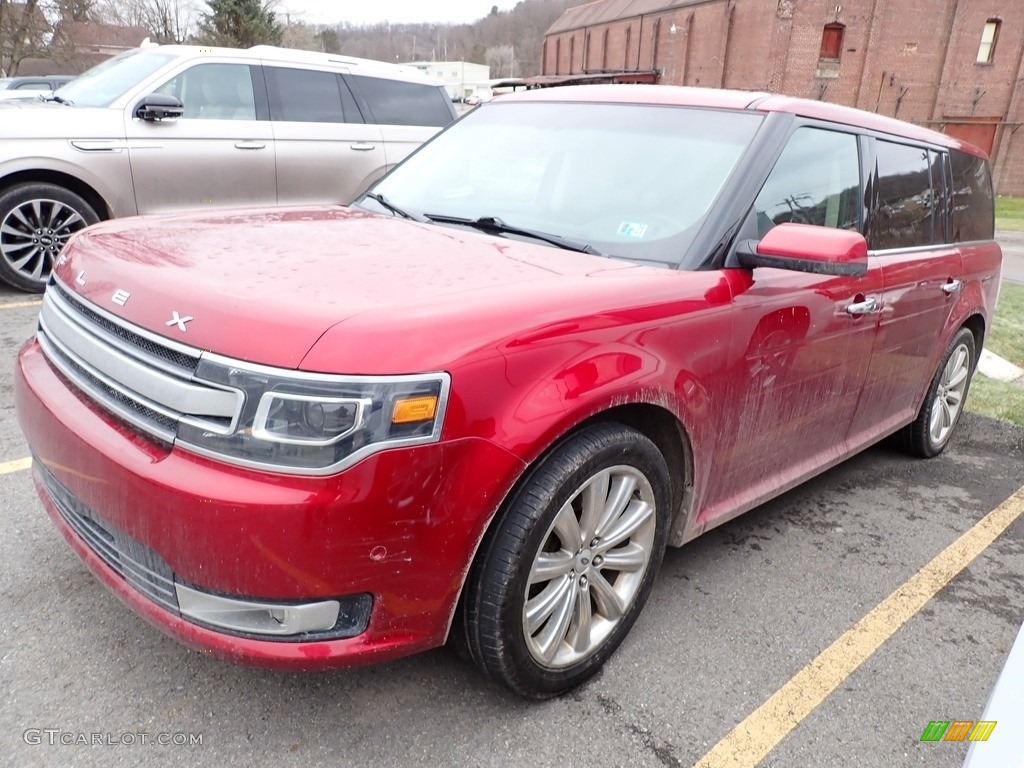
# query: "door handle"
362,146
866,307
953,286
250,145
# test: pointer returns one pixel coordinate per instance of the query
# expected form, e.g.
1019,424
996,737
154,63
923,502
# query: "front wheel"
931,431
571,562
36,221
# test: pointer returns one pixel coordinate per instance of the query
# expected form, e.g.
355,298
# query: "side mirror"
807,248
157,106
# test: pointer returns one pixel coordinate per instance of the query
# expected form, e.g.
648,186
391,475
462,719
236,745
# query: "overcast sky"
395,11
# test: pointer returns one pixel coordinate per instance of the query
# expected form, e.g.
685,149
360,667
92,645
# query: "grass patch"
1010,213
1006,336
996,399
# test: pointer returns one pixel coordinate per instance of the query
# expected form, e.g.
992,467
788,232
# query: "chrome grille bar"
129,373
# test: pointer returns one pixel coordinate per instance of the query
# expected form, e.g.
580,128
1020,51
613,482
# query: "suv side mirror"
807,248
158,106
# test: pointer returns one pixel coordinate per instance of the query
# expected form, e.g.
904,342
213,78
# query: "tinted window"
973,206
33,86
815,181
308,96
214,92
394,102
907,211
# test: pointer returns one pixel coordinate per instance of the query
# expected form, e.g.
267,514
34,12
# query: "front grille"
132,339
146,381
136,563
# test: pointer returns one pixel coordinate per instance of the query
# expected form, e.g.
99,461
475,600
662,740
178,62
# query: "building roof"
605,11
88,34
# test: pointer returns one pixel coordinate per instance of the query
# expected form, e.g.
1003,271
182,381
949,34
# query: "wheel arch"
61,179
975,323
655,421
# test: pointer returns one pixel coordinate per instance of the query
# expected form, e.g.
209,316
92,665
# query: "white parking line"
21,304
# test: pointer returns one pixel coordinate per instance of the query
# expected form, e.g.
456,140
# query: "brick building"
954,65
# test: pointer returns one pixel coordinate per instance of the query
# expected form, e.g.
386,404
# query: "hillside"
509,41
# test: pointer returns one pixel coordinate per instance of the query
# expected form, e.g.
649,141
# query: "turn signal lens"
409,410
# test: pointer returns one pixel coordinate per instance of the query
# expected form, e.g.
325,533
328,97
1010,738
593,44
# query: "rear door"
218,154
326,152
407,113
922,275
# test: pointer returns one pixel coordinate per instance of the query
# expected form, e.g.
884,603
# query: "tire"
544,638
931,431
35,222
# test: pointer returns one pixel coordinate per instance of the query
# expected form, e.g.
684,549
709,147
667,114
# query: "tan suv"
167,128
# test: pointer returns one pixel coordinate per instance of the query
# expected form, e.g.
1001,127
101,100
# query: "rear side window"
907,212
815,181
973,205
309,96
395,102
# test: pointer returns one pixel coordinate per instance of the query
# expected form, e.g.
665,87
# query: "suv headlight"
315,424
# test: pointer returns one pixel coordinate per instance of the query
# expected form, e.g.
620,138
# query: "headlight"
315,423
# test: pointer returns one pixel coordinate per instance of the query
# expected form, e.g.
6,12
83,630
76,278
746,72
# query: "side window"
907,212
815,181
214,92
32,85
973,205
310,96
395,102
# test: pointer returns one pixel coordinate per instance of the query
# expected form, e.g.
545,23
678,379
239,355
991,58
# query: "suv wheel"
36,221
570,564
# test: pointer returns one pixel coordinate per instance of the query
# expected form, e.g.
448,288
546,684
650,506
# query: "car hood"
264,286
34,119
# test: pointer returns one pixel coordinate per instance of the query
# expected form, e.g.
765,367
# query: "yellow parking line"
21,304
15,466
749,743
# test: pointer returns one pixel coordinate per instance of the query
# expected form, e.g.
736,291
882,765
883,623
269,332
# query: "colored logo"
958,730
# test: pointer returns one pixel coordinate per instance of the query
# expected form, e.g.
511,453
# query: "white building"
461,78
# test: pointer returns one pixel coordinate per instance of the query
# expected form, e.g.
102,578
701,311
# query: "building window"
989,35
832,41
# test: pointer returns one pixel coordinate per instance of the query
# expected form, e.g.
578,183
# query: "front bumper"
401,526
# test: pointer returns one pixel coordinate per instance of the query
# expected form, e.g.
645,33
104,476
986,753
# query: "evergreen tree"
240,24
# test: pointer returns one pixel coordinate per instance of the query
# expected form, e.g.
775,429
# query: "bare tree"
23,31
169,21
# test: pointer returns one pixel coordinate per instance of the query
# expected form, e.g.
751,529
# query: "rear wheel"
935,422
570,564
36,221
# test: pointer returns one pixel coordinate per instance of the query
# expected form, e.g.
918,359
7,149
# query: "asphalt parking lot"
735,616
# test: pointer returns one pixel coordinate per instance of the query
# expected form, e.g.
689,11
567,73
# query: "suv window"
394,102
815,181
310,96
973,206
907,210
214,92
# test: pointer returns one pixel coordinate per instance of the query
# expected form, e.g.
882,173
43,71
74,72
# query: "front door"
802,342
217,155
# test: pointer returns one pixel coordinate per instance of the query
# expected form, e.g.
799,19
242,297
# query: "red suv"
577,327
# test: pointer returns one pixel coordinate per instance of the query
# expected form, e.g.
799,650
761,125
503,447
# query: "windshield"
104,83
630,181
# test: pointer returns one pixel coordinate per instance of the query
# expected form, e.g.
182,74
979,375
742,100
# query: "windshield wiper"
55,97
393,208
494,225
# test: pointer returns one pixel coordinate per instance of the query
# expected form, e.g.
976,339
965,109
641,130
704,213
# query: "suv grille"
140,566
144,380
